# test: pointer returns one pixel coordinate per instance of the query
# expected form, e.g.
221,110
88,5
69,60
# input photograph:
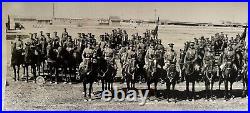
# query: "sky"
191,12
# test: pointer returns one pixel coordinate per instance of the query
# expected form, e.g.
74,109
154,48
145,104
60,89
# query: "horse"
170,79
16,60
141,62
152,75
129,73
191,73
64,61
52,63
107,74
89,73
29,60
229,75
210,73
245,79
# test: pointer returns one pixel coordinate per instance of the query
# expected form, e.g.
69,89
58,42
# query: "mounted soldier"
56,41
170,56
64,36
16,55
86,56
191,68
49,39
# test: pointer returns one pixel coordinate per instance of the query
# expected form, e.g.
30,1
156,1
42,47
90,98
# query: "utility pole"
155,10
53,10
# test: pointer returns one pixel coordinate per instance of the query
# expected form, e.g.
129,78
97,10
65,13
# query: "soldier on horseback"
170,57
56,41
64,36
86,56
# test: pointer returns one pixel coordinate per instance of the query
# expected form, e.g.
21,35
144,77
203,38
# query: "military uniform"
170,57
109,55
18,43
208,59
150,54
191,55
56,41
64,36
86,56
228,57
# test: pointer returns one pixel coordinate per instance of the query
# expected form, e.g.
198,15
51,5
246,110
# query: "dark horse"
129,73
107,74
229,75
210,73
30,60
170,79
65,62
52,62
191,73
88,71
16,60
245,79
152,75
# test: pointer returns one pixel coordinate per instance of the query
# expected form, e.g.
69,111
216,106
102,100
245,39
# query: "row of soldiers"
145,48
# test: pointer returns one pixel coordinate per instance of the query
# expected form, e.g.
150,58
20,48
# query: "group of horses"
68,61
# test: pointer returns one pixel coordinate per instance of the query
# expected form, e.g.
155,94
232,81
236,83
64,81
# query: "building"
114,20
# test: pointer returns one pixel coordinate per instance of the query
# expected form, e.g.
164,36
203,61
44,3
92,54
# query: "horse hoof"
70,83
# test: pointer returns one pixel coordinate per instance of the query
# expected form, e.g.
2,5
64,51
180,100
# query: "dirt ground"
30,96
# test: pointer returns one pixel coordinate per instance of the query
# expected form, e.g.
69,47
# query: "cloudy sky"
193,12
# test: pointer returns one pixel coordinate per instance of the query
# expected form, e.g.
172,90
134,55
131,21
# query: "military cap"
35,33
170,44
47,33
191,43
41,31
18,36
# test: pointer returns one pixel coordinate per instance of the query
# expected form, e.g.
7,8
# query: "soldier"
102,42
150,54
86,56
18,43
69,44
49,39
109,55
56,41
64,35
170,56
229,56
41,35
131,54
191,55
159,53
208,59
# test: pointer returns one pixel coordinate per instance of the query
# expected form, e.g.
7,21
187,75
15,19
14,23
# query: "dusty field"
30,96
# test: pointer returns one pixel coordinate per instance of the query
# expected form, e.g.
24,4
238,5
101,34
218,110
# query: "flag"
156,28
243,36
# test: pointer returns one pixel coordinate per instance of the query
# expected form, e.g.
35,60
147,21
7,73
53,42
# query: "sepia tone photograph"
167,56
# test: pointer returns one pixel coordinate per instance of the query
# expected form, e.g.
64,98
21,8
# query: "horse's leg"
27,72
103,85
56,74
211,90
173,90
90,88
231,89
226,90
18,69
193,90
70,73
187,89
156,95
14,68
43,65
168,91
34,71
84,89
206,89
